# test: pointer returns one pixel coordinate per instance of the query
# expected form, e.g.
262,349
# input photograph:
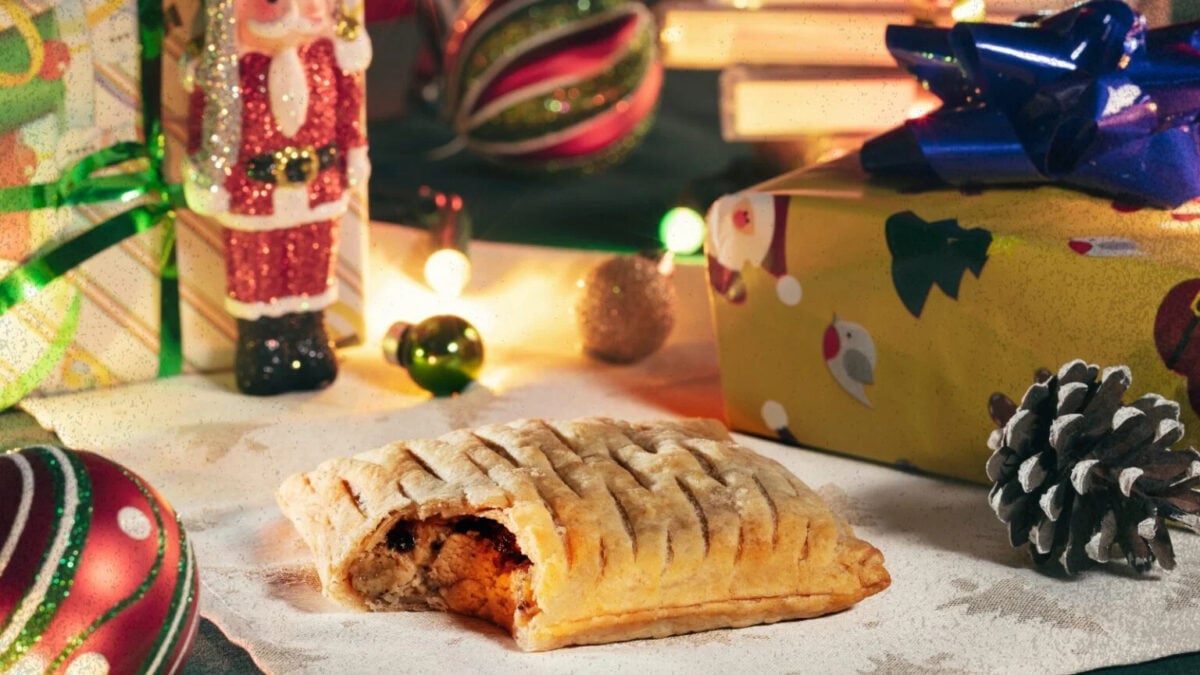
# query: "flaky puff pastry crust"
633,530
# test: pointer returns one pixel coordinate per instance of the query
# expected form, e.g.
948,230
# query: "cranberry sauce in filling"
497,535
467,565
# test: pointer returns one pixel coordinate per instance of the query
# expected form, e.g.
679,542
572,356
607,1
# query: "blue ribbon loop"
1088,98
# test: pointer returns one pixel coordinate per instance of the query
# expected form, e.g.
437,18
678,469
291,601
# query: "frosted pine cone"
1083,478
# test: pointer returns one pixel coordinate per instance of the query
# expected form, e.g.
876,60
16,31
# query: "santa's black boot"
314,364
262,364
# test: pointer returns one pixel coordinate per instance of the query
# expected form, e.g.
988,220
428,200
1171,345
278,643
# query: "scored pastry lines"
556,494
669,453
705,463
625,520
403,492
415,475
585,465
553,458
576,466
532,454
646,539
630,456
701,518
626,453
425,466
774,509
497,449
623,524
750,514
600,503
485,470
568,469
354,498
564,461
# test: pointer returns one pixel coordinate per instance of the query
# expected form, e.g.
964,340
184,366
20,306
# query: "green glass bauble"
443,354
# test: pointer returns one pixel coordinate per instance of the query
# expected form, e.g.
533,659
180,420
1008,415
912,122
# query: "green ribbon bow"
131,171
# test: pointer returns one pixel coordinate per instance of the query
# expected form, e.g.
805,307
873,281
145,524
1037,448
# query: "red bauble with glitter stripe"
552,84
96,573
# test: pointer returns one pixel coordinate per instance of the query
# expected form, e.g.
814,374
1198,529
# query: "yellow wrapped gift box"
70,86
892,322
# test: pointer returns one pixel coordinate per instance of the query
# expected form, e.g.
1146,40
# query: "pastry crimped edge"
633,529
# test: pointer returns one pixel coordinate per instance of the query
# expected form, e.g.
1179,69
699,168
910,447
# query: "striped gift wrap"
116,338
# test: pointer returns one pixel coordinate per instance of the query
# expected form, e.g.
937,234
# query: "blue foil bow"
1088,97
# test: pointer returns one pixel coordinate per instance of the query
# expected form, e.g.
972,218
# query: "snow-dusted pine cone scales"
1082,477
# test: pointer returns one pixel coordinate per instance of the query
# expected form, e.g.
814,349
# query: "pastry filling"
465,565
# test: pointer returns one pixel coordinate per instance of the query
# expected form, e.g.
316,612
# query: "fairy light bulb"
447,269
447,272
682,230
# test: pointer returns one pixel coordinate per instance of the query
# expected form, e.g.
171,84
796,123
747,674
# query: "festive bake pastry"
580,532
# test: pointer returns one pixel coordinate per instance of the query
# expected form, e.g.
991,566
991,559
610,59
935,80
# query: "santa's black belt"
292,165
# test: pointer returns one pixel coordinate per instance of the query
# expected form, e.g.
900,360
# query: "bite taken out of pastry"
580,532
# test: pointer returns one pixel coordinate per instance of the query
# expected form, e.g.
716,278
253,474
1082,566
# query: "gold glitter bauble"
626,310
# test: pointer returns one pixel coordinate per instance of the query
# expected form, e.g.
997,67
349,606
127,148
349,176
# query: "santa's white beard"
733,247
287,85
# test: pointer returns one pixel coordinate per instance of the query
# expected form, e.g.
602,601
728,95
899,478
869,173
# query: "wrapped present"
105,276
898,318
883,321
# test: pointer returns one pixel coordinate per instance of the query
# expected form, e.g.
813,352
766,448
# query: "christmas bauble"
443,354
552,84
96,573
626,310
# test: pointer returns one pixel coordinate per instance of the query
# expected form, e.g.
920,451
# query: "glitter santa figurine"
275,144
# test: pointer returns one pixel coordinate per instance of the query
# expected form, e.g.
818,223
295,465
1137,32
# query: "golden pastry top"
618,518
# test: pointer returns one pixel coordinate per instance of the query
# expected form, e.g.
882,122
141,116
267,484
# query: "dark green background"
1186,10
617,209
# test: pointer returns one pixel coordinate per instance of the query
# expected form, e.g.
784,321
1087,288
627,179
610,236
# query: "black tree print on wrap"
924,254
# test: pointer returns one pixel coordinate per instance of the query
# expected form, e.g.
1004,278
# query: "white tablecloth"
961,600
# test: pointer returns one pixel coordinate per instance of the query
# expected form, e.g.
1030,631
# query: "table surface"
218,455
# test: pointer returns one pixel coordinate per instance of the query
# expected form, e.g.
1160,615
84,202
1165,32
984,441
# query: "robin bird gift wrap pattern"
920,304
945,294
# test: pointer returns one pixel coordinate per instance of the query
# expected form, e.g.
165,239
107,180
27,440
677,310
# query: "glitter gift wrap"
70,86
888,321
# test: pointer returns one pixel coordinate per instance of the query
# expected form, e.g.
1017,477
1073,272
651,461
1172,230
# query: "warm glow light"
681,230
671,35
666,266
447,272
785,104
968,10
921,108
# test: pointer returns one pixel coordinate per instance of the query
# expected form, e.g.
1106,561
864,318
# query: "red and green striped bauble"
552,84
96,573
